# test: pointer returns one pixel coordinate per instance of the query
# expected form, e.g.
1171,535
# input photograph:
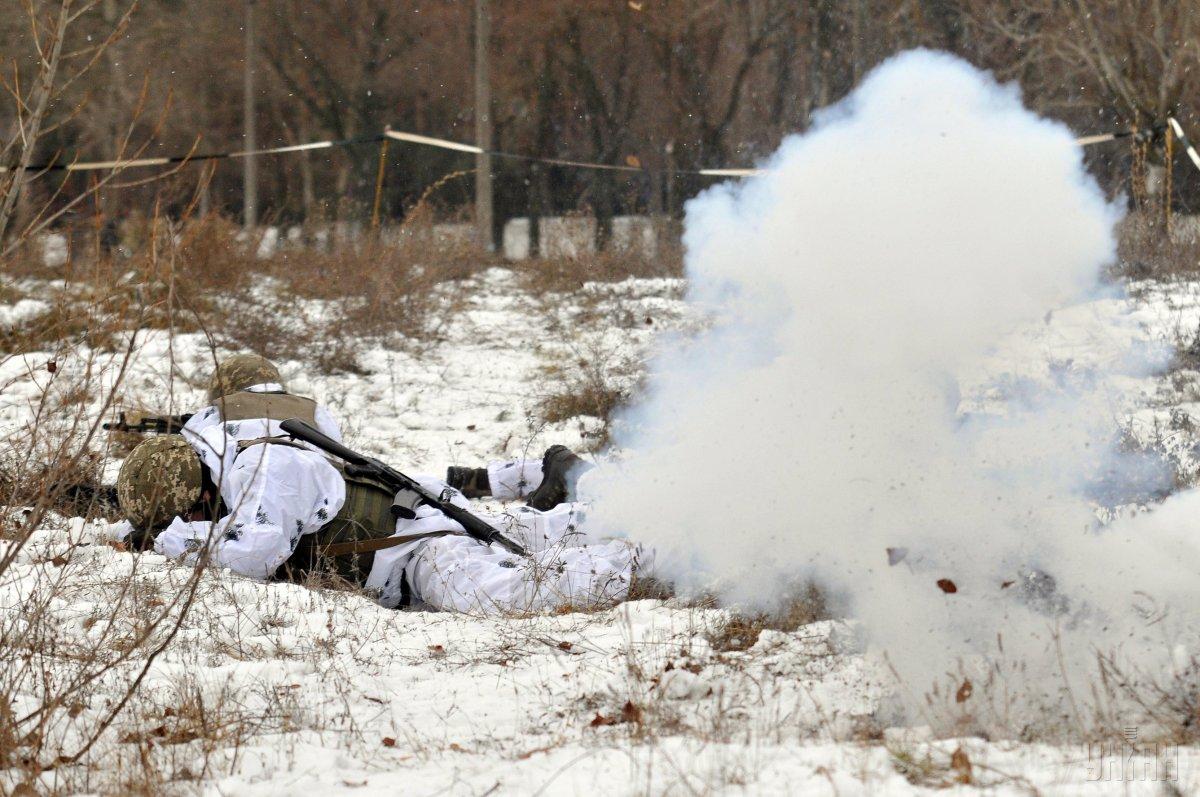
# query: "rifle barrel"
301,430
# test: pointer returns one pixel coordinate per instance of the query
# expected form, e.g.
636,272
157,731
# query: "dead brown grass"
69,321
1146,251
589,381
566,274
741,632
318,305
586,394
70,486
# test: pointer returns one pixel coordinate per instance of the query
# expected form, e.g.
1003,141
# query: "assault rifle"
83,497
144,422
475,526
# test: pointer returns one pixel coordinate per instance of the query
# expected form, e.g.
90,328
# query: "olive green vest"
366,515
245,405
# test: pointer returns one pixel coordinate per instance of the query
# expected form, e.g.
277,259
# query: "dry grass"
320,305
564,274
587,381
583,393
62,325
311,304
741,631
1146,251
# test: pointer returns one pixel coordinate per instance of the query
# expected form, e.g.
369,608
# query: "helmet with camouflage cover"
240,372
161,478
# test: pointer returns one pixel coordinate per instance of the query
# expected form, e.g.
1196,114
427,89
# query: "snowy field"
278,689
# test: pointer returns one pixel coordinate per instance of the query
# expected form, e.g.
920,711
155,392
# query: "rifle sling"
278,440
378,543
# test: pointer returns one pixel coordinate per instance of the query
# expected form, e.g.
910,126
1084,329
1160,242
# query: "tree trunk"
483,126
31,128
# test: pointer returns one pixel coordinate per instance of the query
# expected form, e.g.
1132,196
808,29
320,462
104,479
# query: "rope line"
458,146
58,166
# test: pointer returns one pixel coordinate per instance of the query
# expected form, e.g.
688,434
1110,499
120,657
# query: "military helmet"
240,372
161,478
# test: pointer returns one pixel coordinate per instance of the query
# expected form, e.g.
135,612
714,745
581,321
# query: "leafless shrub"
587,383
584,393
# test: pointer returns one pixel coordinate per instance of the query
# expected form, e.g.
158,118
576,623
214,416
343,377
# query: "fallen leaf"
564,645
437,651
634,161
896,555
947,586
961,765
630,712
456,747
964,691
388,741
58,561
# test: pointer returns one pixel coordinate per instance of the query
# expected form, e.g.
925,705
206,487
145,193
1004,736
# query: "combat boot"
561,469
471,482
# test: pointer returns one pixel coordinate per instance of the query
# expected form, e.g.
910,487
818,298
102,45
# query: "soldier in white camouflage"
281,509
246,393
233,490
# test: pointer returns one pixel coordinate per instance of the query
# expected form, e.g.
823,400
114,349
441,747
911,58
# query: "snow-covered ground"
279,689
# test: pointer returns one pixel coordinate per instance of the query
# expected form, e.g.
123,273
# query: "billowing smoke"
816,430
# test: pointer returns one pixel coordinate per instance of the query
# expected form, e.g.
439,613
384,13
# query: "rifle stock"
475,526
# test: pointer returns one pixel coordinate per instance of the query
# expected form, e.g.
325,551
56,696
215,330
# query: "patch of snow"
22,310
628,700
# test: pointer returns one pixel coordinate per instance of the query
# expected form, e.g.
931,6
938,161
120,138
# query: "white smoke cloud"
816,424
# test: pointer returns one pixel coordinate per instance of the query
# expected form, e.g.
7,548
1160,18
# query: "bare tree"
36,85
334,58
706,53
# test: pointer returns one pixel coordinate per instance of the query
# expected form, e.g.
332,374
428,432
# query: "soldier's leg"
561,526
460,574
510,480
545,483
